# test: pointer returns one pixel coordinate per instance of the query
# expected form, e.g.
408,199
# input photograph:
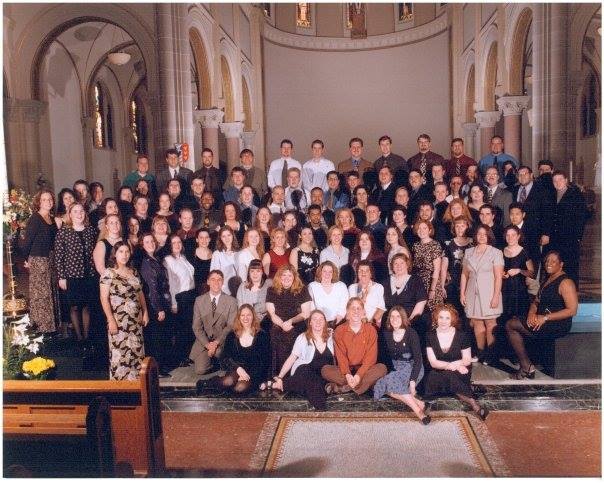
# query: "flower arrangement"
38,368
20,344
17,210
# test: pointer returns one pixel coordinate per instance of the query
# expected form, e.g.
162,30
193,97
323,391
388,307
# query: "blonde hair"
297,284
238,326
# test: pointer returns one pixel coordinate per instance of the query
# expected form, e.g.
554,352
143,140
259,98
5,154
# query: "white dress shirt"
180,275
276,169
314,173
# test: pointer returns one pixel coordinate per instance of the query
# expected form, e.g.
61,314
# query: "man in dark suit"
538,205
383,196
427,212
397,163
569,217
425,159
498,196
375,225
210,175
213,314
418,192
173,170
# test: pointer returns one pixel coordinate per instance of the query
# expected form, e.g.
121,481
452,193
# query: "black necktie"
495,162
284,174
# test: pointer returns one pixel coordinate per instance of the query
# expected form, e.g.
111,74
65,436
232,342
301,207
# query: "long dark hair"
255,264
112,262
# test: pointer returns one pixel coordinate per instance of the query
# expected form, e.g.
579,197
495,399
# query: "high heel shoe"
426,420
522,374
483,413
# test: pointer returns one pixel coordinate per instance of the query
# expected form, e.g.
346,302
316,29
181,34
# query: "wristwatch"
545,318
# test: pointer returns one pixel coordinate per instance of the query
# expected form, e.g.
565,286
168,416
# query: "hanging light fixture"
120,57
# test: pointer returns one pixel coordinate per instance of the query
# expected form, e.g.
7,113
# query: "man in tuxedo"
210,175
424,159
498,196
383,196
418,192
397,163
355,162
459,162
173,170
538,205
569,217
213,314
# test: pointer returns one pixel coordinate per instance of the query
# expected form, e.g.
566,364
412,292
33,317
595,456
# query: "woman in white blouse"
225,259
253,249
370,292
182,295
335,252
328,294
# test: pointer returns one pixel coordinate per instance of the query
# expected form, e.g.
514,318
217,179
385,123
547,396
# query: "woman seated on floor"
449,353
404,361
246,353
312,350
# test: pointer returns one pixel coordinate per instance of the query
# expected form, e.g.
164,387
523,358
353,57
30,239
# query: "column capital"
208,118
231,130
248,138
487,119
27,110
470,128
513,105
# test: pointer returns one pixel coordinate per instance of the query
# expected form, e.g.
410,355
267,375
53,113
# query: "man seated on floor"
356,348
213,314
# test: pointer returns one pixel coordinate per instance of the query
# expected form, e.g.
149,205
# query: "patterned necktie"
356,163
213,305
330,200
423,164
490,195
284,174
457,167
522,197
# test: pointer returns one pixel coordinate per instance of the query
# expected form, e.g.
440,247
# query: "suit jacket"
255,177
502,200
415,198
185,174
538,206
414,162
569,217
347,166
213,182
378,230
464,163
208,327
384,198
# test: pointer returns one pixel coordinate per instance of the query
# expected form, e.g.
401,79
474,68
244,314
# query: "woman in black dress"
449,353
452,263
246,353
312,350
517,266
550,315
404,288
202,260
305,257
288,304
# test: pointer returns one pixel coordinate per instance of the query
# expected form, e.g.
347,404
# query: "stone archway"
470,94
227,90
518,53
490,78
200,58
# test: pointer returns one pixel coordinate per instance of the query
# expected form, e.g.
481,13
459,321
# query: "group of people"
312,278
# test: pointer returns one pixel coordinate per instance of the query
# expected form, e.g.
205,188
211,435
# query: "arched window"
138,124
103,125
303,18
589,104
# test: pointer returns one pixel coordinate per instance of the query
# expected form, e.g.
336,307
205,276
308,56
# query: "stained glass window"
266,9
303,15
103,125
138,125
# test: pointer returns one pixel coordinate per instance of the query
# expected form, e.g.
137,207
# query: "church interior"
88,87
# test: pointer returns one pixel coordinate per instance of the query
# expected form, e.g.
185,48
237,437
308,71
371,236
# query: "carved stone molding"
402,37
470,128
209,118
513,105
231,130
248,138
25,110
487,119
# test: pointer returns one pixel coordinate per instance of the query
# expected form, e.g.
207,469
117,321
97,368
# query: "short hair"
171,151
386,167
372,203
456,140
142,156
329,173
404,318
481,188
246,151
559,172
237,169
385,137
140,197
491,168
413,171
515,204
208,150
360,187
545,162
315,207
317,141
488,206
286,141
238,326
112,260
38,196
401,256
528,168
216,272
440,183
291,170
183,209
352,300
355,140
333,228
353,173
424,136
80,181
508,162
425,222
425,203
497,136
315,189
399,208
455,322
335,277
490,236
96,184
438,164
516,229
368,264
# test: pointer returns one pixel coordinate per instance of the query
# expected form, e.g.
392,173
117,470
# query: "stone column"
175,77
210,119
232,132
512,107
486,121
248,139
470,129
24,161
88,141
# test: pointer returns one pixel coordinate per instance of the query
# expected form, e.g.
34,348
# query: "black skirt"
82,292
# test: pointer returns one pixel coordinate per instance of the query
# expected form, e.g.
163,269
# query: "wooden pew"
46,408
